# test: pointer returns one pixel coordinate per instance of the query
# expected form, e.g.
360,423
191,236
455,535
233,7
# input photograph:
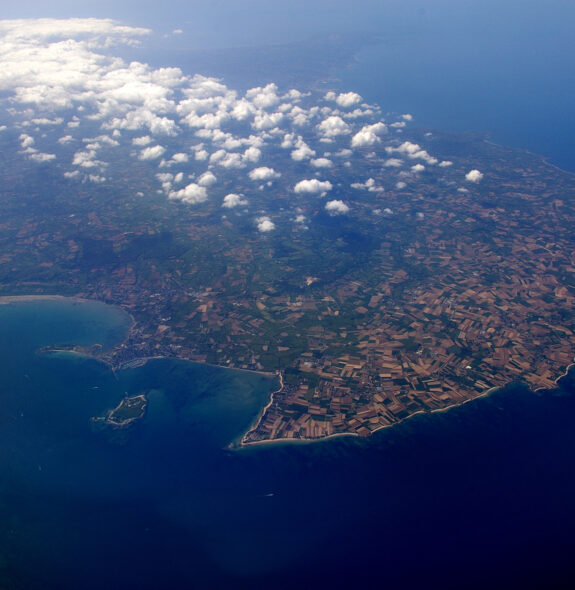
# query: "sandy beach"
7,299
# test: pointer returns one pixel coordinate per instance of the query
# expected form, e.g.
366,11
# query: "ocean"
479,495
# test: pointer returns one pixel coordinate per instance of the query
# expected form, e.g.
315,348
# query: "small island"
130,409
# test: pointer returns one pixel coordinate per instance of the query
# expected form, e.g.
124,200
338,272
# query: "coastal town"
427,298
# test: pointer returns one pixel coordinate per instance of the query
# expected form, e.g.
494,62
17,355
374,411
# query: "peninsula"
423,297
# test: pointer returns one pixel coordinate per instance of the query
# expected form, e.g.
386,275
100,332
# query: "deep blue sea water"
480,496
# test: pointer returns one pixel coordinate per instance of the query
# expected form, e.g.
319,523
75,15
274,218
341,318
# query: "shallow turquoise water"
55,458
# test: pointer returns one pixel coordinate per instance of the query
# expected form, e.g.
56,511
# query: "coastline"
7,299
565,374
145,359
545,159
246,444
257,421
240,442
487,393
83,351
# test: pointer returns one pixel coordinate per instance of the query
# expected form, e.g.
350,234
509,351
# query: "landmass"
418,284
94,350
453,295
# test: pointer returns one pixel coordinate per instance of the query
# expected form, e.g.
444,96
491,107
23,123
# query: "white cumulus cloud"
252,154
264,98
336,207
368,135
207,179
345,99
193,194
302,151
41,157
26,140
152,153
413,151
233,200
142,141
393,163
313,187
333,126
344,153
265,121
321,163
369,185
265,224
474,176
263,173
59,79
